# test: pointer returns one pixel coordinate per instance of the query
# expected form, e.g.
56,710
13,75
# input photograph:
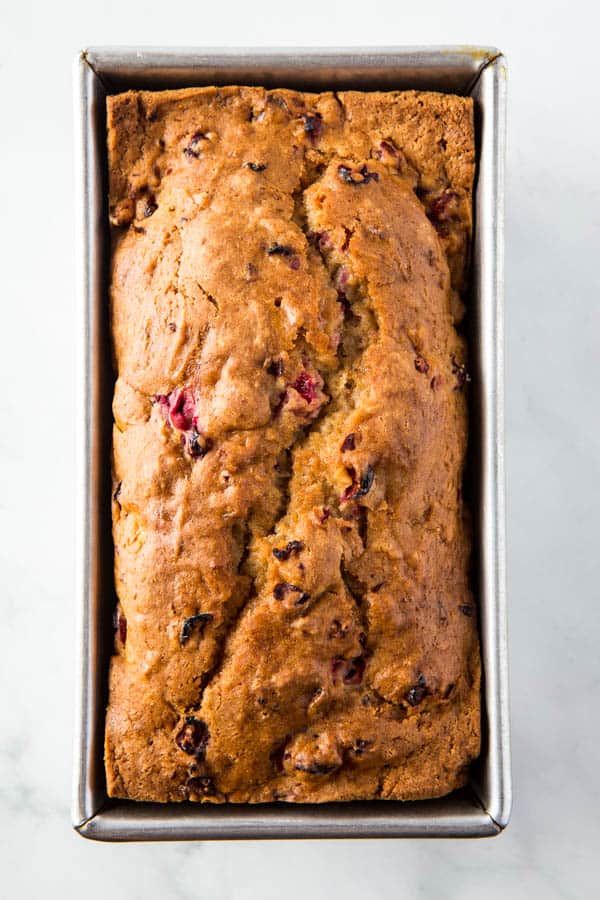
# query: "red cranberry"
195,623
421,365
388,149
319,239
192,150
313,126
349,670
306,385
285,552
120,624
438,207
276,249
359,489
275,368
347,237
349,442
181,409
418,692
193,737
460,371
357,176
342,277
151,207
281,590
201,784
198,444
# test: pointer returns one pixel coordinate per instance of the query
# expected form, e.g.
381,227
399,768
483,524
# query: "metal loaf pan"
483,807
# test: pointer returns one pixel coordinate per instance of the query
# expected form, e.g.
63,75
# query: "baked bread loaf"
295,620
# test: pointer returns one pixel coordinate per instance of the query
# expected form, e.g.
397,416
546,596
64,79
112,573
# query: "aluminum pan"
481,809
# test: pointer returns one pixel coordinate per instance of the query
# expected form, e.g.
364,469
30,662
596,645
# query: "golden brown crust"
291,553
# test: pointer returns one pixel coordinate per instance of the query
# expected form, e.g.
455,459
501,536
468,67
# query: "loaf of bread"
295,619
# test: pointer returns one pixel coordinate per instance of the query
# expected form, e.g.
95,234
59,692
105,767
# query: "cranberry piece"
438,208
306,384
319,239
436,382
356,490
181,409
198,444
194,623
342,277
276,249
120,625
285,552
192,149
388,148
151,207
283,588
421,365
275,368
193,737
355,177
349,670
255,167
466,609
295,263
324,515
418,692
349,442
202,785
460,371
354,673
313,126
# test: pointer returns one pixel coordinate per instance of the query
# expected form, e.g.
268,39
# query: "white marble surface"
551,848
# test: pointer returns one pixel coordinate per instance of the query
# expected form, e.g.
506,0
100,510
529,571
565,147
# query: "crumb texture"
295,620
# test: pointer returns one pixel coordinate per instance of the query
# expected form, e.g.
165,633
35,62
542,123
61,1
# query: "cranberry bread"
295,620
